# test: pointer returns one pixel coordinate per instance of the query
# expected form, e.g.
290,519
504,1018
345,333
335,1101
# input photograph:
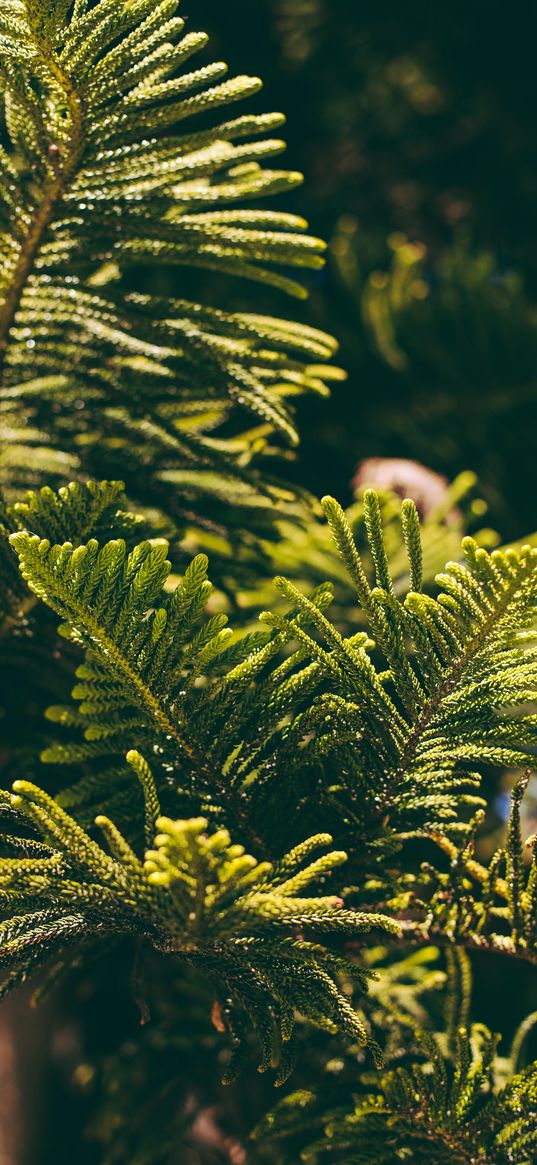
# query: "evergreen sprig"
99,176
458,666
446,690
246,924
446,1109
476,906
305,553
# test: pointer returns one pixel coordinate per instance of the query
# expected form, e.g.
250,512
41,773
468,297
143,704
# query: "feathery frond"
492,907
305,553
435,1109
98,177
390,742
195,895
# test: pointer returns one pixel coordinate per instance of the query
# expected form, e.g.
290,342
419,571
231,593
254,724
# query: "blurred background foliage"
414,127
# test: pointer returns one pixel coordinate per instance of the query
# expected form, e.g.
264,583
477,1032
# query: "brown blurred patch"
408,479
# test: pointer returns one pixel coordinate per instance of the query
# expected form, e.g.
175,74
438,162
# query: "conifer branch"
194,895
186,741
97,179
63,164
441,1109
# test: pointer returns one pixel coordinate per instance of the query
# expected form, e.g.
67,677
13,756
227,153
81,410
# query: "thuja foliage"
274,822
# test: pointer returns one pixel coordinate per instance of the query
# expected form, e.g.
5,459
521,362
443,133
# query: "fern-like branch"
193,895
96,179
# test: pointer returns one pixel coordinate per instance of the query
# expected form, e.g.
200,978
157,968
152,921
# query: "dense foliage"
248,814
